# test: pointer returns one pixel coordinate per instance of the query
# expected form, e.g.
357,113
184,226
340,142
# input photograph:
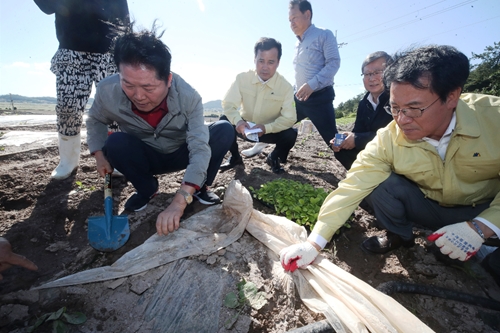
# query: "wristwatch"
188,197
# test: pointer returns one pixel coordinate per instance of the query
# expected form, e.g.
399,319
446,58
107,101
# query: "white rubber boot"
116,173
69,153
255,150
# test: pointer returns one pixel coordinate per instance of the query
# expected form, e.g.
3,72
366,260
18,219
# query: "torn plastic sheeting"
203,233
348,303
342,296
199,289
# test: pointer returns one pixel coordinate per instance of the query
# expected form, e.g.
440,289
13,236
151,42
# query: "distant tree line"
484,78
24,99
349,107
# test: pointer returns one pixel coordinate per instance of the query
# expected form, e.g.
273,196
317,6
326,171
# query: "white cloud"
19,65
211,81
36,67
41,66
201,5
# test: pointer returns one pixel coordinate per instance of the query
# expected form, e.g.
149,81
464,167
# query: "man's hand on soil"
168,220
458,241
9,258
298,256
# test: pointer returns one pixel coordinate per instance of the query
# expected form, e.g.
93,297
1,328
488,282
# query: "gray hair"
375,56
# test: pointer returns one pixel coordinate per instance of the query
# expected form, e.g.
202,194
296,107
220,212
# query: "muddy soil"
46,221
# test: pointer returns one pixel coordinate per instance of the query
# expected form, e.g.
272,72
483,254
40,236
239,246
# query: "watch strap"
187,196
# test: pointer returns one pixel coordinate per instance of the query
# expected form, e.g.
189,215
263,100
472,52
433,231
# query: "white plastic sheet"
344,297
349,304
204,233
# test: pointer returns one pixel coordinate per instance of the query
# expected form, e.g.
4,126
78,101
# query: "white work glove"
298,256
458,241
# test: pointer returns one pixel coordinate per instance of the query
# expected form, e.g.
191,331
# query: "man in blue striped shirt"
316,62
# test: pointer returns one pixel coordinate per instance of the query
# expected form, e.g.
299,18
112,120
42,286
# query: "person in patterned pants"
85,30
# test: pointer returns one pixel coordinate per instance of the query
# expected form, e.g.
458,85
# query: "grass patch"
346,120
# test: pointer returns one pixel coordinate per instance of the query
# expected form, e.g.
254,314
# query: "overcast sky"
212,40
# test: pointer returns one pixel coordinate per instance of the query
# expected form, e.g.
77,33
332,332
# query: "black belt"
321,90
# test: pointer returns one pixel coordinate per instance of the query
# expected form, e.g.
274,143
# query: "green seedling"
305,138
296,201
82,187
323,154
59,320
247,295
347,224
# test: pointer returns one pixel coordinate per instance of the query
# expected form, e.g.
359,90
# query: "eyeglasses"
367,75
409,112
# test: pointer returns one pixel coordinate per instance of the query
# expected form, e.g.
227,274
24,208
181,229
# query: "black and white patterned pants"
75,73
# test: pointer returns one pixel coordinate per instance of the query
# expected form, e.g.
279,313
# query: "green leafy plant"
304,139
59,320
2,148
323,154
82,187
346,225
296,201
248,295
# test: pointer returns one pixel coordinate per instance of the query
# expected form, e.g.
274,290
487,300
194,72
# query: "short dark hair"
143,48
446,68
375,56
266,44
304,6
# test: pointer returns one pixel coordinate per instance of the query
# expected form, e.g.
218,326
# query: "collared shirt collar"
311,27
374,104
262,81
270,83
441,145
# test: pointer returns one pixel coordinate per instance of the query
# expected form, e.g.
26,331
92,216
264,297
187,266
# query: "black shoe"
274,163
207,197
387,243
138,202
231,163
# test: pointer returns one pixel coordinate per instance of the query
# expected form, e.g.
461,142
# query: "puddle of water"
17,138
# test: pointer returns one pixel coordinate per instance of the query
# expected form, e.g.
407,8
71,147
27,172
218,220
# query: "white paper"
252,133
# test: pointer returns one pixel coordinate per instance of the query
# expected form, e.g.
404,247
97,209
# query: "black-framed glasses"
409,112
367,75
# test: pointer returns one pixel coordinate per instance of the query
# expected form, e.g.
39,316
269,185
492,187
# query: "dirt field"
46,221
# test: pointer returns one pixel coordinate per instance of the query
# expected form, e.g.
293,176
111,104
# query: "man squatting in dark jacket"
371,115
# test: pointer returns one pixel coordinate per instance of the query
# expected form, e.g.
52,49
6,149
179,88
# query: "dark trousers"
319,109
398,203
139,162
284,140
347,156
